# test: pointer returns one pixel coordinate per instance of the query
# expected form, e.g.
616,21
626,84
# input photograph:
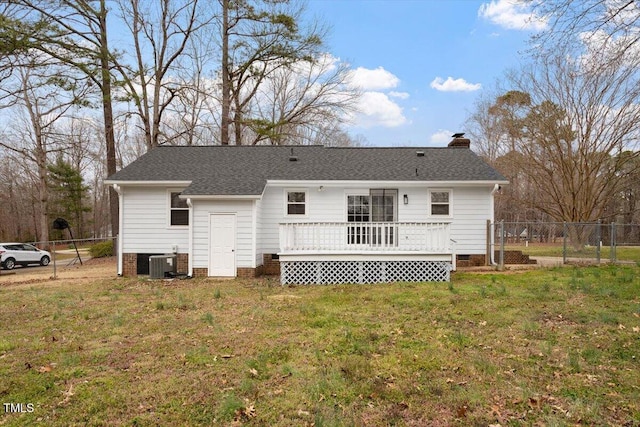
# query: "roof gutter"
343,183
148,183
220,196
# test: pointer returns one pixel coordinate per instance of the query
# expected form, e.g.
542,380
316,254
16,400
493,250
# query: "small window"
296,203
440,203
179,210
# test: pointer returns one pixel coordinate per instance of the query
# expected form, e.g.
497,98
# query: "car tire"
44,261
9,263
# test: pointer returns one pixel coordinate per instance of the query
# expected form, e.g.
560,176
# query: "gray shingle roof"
244,170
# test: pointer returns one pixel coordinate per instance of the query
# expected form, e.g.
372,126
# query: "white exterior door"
222,241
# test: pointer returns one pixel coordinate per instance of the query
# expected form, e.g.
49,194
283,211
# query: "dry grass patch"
548,347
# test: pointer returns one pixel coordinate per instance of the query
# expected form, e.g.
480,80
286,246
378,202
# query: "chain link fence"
567,242
77,247
71,251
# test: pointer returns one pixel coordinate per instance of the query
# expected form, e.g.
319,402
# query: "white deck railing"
425,237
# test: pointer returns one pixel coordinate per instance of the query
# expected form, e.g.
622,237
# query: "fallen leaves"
46,368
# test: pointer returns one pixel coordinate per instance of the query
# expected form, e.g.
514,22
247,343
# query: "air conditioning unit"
160,265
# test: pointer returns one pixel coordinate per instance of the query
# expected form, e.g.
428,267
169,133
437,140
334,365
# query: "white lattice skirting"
334,272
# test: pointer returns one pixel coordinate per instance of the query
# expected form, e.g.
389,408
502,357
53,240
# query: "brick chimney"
459,141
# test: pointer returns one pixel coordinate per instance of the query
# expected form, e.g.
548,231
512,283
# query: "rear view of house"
309,213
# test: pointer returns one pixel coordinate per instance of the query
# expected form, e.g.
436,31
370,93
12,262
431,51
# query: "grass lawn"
541,347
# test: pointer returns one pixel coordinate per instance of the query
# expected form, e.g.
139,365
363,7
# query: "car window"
14,247
29,248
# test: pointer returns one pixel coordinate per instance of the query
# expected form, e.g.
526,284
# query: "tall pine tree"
68,193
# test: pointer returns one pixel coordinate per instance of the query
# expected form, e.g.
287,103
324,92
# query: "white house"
310,213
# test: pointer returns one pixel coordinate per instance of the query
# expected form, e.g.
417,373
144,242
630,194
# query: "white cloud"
399,95
443,136
377,79
376,109
376,106
512,15
454,85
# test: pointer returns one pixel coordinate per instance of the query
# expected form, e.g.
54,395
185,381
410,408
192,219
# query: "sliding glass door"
365,211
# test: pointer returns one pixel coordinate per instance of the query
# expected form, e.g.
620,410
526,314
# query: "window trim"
306,202
430,203
169,209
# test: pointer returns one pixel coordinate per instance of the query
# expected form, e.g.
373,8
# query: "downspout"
190,249
254,233
118,190
492,236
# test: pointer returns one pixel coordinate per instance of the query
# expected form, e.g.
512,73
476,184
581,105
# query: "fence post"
564,242
612,243
598,240
501,266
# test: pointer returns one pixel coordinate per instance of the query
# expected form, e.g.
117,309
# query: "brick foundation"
271,267
248,272
129,265
510,257
473,261
514,257
183,263
200,272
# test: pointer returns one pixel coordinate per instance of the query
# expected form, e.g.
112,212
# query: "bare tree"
574,119
572,111
75,33
17,196
572,24
487,123
42,97
192,118
298,101
258,37
161,32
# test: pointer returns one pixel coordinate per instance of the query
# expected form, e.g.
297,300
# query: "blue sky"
422,63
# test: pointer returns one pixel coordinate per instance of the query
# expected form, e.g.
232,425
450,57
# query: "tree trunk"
107,109
40,157
237,122
226,81
43,191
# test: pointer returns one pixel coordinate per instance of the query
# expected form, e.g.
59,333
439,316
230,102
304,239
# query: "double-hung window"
178,210
296,202
440,203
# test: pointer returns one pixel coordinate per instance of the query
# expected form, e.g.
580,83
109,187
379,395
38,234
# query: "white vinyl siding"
327,204
470,208
202,209
145,219
145,222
